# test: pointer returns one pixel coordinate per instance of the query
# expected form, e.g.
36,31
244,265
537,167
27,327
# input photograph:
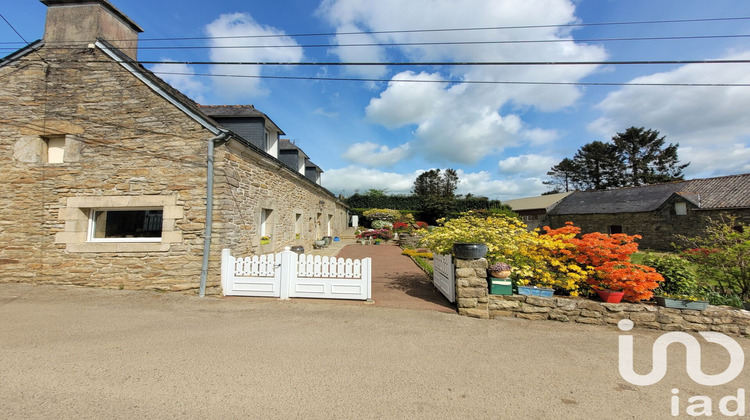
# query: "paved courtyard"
73,352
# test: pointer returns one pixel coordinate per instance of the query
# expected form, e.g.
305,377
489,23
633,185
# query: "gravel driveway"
72,352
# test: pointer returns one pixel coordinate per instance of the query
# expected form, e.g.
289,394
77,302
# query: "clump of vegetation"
421,253
722,255
679,277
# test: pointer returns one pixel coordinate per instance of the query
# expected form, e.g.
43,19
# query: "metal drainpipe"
209,208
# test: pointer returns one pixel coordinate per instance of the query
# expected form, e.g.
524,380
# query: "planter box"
695,305
501,287
535,291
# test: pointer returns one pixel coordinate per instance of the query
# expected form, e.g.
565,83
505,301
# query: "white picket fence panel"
288,274
443,276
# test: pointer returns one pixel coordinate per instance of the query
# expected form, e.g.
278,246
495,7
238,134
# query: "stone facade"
473,299
126,146
658,229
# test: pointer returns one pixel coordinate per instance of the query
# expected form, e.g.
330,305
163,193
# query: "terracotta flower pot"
610,296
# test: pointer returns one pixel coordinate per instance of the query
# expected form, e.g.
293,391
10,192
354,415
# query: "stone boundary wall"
473,299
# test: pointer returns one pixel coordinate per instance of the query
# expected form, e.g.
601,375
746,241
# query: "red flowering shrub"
421,225
609,256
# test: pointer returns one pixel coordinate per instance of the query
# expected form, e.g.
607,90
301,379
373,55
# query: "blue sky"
502,138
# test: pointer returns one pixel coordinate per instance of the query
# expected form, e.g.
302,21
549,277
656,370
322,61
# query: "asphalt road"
72,352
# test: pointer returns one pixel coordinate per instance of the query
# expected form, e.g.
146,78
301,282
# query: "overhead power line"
437,43
645,22
488,28
488,82
443,63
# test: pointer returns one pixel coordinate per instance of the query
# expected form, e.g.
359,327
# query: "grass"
424,264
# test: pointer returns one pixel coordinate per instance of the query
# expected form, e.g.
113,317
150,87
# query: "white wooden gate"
287,274
443,276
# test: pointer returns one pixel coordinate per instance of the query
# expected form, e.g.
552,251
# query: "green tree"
646,159
563,176
598,166
436,193
635,157
433,183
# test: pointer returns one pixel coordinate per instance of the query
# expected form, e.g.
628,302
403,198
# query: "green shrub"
679,278
380,224
382,214
716,298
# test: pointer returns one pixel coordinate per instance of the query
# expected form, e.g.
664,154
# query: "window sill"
118,247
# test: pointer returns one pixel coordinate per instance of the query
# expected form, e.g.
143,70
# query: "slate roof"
236,111
726,192
286,144
534,203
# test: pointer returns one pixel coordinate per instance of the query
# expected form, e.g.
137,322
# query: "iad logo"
702,404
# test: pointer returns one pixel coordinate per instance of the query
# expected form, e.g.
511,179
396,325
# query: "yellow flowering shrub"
541,260
418,253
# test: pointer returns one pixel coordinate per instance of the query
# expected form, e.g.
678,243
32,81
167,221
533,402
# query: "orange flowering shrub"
609,257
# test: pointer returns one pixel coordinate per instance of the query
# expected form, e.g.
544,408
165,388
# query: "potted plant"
499,270
264,240
499,282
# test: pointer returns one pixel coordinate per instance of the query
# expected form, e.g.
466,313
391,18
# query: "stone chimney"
84,21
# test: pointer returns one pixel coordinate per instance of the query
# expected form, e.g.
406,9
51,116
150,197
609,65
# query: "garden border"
473,299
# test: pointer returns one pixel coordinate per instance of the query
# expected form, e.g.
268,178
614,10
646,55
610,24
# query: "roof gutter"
223,135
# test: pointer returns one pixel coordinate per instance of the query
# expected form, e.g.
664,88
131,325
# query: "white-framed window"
125,225
680,209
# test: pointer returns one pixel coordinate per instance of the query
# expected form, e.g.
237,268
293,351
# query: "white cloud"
238,25
711,124
527,164
462,122
347,180
323,112
181,77
373,155
482,184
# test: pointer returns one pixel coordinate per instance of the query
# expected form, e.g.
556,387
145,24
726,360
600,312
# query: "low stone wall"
584,311
473,299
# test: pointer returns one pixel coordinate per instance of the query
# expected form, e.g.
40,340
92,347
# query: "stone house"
113,178
533,210
656,212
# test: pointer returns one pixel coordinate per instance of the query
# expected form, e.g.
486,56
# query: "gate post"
472,296
227,270
288,271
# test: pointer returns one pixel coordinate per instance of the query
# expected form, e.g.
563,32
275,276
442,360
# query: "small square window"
125,225
615,229
680,209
